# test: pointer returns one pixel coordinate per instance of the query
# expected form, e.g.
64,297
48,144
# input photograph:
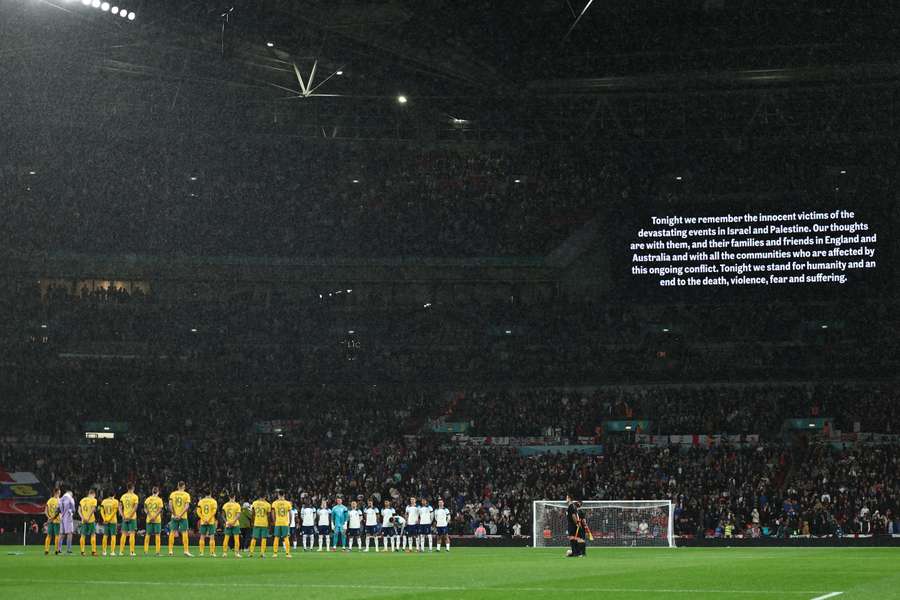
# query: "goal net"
612,523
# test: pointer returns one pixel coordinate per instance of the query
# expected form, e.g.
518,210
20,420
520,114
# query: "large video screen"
714,247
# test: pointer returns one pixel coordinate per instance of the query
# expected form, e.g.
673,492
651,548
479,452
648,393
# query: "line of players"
336,527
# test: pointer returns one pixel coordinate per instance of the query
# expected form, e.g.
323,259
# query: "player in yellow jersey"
87,510
179,504
207,507
52,512
128,505
281,510
231,511
109,511
260,509
153,507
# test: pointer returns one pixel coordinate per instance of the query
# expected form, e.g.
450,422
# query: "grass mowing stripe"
430,588
831,595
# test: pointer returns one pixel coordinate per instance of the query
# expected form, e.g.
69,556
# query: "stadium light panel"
95,3
678,178
193,178
843,171
193,330
114,10
339,72
131,16
509,332
517,181
32,172
351,331
270,44
356,181
104,6
43,326
402,99
123,12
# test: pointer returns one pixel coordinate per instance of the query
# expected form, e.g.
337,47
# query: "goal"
612,522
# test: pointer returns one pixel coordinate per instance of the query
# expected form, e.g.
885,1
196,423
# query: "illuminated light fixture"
351,331
824,326
509,332
114,10
628,428
193,178
193,330
44,326
338,72
678,178
95,3
104,6
131,16
270,44
812,424
426,305
402,99
106,429
517,181
32,172
348,291
665,330
123,12
86,2
356,181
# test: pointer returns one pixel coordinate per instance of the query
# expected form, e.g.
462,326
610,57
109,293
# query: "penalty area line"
429,588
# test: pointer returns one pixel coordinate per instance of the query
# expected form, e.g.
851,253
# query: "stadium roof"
465,64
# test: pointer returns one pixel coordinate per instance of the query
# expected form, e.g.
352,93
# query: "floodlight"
104,6
401,99
131,16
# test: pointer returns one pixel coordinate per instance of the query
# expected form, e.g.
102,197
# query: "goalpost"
614,523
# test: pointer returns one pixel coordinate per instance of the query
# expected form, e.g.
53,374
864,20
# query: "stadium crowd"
375,442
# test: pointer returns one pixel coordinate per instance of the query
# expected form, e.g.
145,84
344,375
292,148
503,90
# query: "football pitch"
627,573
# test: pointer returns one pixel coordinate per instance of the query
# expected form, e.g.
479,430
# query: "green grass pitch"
519,573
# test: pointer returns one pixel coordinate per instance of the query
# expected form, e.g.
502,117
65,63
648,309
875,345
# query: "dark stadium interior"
225,240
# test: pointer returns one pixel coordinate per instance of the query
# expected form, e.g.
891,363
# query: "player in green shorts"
88,529
178,526
154,528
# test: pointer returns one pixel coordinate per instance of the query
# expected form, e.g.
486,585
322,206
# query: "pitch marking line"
430,588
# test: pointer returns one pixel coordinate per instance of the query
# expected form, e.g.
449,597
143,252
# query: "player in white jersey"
294,515
426,514
323,527
387,527
371,524
354,525
412,524
442,524
307,526
399,525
